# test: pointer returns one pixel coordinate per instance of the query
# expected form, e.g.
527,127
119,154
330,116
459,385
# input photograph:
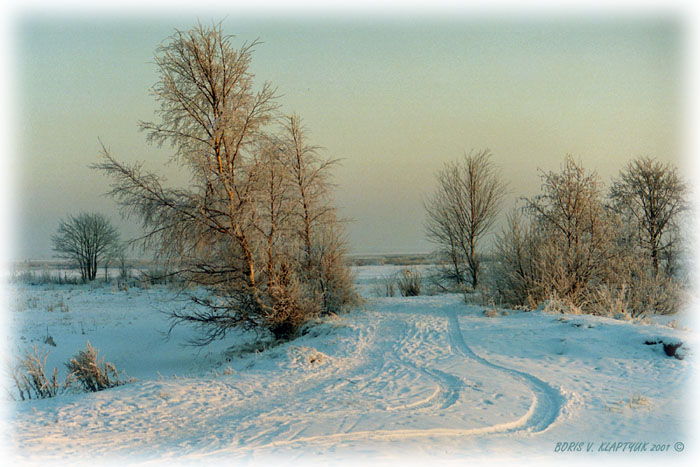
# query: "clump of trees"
88,239
460,213
585,251
256,228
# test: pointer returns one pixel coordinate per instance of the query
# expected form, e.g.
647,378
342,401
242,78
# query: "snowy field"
402,380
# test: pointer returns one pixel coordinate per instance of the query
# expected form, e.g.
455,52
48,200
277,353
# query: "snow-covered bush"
638,296
44,276
494,312
90,374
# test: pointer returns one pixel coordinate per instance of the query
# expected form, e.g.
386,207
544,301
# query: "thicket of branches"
577,247
256,228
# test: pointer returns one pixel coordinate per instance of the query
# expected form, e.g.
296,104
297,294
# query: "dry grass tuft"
89,373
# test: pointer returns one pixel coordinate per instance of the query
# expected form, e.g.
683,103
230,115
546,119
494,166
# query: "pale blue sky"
393,98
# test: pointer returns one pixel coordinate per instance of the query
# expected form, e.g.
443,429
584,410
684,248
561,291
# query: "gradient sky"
393,98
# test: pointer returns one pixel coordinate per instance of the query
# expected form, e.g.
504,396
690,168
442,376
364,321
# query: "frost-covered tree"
323,260
87,239
256,226
462,210
575,228
566,246
652,196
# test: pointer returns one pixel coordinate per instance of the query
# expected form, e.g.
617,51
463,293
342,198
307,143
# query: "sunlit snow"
399,379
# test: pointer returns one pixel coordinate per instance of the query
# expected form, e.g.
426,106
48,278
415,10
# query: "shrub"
30,377
493,312
637,296
45,276
84,369
89,373
409,282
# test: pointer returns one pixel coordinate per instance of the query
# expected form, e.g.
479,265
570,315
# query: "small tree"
116,253
87,239
651,196
462,210
123,267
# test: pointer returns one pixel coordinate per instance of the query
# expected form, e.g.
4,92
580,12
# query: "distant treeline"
396,259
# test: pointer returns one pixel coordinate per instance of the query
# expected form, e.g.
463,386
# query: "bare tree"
252,207
652,196
462,210
87,239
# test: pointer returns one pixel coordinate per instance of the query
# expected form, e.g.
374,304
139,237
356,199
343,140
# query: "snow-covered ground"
402,380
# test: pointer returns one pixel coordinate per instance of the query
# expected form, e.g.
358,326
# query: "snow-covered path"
450,391
407,376
547,401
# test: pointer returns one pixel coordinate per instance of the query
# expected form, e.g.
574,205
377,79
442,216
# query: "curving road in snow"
543,411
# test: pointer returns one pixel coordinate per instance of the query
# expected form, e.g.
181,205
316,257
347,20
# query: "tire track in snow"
447,386
543,411
548,401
